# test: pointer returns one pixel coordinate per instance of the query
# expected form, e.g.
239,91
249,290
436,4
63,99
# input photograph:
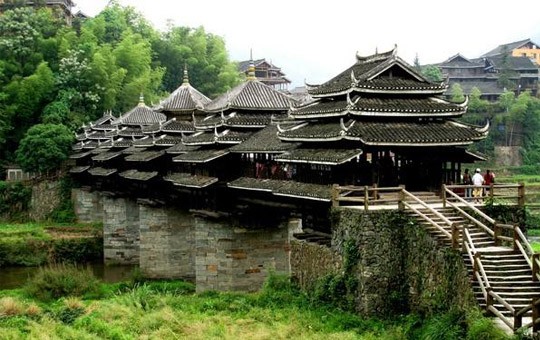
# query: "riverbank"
36,244
171,310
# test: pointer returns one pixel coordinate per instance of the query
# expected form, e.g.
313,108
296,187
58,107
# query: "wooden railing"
495,192
452,195
519,244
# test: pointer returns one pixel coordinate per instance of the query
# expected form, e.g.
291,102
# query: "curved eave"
198,143
229,142
302,197
309,139
400,91
320,114
431,114
232,186
247,126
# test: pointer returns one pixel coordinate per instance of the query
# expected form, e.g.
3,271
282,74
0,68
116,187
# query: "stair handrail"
424,216
472,219
468,204
481,277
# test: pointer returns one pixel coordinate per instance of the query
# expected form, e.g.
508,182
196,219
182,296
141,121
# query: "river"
15,277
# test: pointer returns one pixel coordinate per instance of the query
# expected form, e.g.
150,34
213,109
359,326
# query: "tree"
44,147
432,73
476,103
457,93
416,63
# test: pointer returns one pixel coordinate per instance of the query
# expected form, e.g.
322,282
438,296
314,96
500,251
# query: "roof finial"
186,77
251,68
141,99
376,50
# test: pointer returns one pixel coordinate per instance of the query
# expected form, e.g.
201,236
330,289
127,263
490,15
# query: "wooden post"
366,198
401,197
518,321
443,194
521,195
476,259
335,195
535,268
491,192
497,232
535,315
489,300
455,235
515,237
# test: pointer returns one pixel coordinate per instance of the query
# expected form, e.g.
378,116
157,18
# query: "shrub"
56,281
71,310
10,307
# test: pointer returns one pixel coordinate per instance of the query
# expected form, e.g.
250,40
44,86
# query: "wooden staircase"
501,276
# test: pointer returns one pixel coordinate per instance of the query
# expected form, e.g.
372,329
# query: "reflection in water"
15,277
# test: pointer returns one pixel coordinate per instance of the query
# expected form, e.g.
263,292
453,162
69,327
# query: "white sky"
315,40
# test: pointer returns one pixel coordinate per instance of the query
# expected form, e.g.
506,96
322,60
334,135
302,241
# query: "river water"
16,277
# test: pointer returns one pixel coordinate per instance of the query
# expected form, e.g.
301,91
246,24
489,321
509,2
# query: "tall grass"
61,280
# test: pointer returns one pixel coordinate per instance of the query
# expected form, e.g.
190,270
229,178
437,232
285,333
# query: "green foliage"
58,281
432,73
14,199
65,211
457,93
54,74
476,103
32,245
45,147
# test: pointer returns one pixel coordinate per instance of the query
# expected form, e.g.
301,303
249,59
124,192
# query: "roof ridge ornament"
186,76
251,68
354,81
141,100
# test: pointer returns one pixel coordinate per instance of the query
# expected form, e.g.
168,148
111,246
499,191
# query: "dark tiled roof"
209,122
506,48
80,155
178,126
232,137
180,148
319,156
364,76
132,149
514,63
103,172
485,87
380,107
144,156
407,107
138,175
104,127
79,169
244,65
168,140
390,133
263,141
185,98
146,141
253,95
105,156
248,120
314,131
319,107
200,156
140,115
97,135
91,145
200,138
438,133
461,62
100,122
189,180
130,132
284,188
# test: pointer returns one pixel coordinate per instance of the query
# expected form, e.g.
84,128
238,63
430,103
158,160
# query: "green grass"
34,244
171,310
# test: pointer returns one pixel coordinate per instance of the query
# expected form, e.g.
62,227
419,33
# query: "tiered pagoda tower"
380,122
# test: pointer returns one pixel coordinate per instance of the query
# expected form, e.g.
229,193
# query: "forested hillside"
55,77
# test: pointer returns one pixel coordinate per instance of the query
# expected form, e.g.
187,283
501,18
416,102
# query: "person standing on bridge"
478,181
